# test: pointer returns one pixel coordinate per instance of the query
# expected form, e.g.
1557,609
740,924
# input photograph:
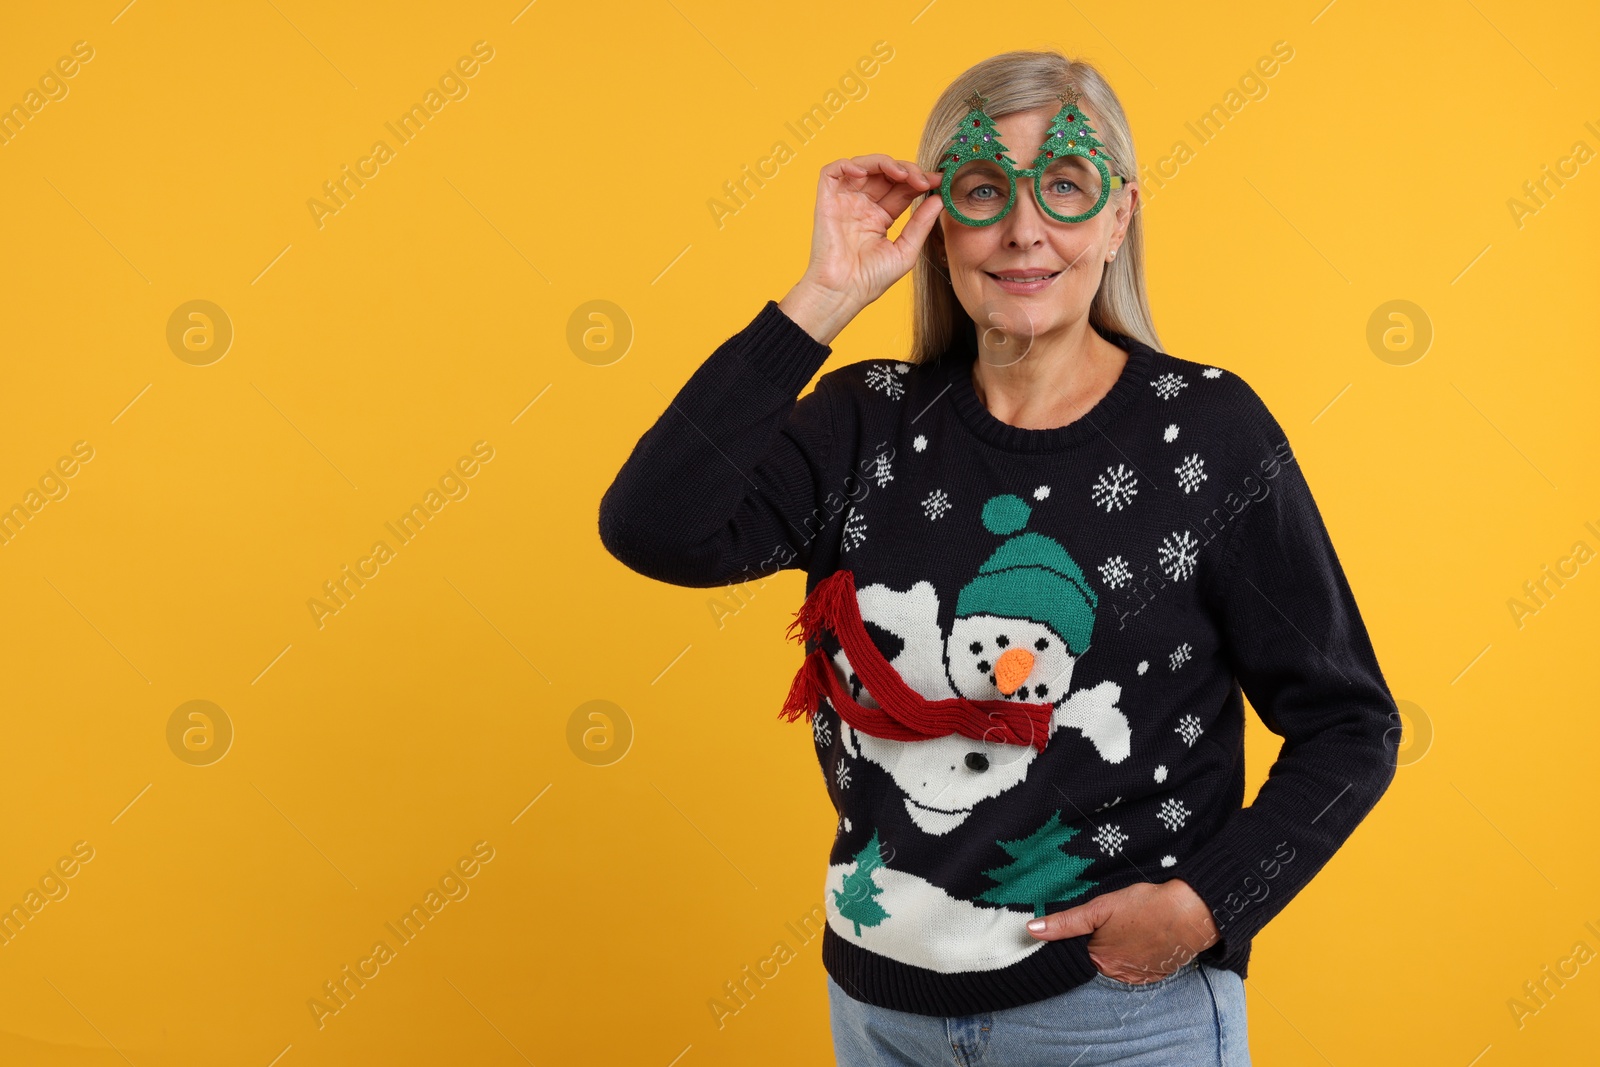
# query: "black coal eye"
976,647
1002,640
1041,644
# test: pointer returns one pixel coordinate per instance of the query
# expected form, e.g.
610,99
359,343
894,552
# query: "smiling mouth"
1026,276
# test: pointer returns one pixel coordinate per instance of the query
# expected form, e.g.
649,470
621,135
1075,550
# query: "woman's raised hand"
853,261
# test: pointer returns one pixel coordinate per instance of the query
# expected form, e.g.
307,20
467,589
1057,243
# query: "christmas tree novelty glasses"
1071,180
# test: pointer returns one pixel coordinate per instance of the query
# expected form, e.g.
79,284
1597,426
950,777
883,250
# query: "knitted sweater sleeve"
728,482
1301,654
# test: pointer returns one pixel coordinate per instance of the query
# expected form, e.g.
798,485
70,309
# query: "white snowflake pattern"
1110,838
1211,372
1161,772
1191,472
882,472
1180,656
1144,665
1179,554
855,529
1170,434
1168,384
841,774
1115,572
1116,488
821,731
936,504
920,442
885,381
902,368
1041,493
1168,860
1189,729
1173,813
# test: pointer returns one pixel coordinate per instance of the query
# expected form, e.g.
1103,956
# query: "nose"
1012,669
1025,225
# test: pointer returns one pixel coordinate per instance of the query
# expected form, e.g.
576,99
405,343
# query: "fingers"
899,169
880,177
1074,922
901,194
917,228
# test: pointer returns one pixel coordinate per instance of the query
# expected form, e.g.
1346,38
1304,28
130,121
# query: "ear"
1127,204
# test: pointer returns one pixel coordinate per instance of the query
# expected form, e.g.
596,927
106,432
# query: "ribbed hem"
1056,968
886,983
781,351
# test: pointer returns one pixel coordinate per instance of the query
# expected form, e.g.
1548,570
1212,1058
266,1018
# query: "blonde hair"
1022,81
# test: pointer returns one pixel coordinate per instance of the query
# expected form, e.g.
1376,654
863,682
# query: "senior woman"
1046,562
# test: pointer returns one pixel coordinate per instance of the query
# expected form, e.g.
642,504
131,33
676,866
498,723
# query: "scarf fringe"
904,715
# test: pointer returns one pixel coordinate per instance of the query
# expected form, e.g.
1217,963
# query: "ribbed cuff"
781,351
1215,873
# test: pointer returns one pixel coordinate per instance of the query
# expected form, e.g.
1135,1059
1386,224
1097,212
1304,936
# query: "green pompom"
1005,514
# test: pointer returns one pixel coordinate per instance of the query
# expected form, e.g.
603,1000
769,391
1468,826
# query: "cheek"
1078,247
967,246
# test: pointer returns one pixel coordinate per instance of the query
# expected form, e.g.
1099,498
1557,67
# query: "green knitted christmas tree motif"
977,139
857,901
1040,873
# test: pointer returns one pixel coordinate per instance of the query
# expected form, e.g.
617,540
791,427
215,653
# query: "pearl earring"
1112,256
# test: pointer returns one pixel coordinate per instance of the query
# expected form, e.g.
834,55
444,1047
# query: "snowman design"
1020,627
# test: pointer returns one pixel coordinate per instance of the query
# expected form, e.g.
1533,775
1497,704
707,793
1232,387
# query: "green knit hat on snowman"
1030,577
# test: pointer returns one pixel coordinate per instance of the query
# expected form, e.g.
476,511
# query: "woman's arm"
726,484
733,481
1301,653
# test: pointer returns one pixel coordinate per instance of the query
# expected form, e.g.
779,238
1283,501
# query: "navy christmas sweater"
1026,649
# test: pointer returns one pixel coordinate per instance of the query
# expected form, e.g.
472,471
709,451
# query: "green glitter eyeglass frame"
1069,135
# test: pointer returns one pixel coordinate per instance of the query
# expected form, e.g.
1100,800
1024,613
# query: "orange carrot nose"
1012,669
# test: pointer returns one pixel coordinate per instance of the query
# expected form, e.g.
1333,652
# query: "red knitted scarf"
903,714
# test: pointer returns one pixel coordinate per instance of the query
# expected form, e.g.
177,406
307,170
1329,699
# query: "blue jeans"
1194,1017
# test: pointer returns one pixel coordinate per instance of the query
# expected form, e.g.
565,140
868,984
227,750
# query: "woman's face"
986,262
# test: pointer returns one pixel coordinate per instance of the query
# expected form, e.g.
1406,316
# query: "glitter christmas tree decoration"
977,142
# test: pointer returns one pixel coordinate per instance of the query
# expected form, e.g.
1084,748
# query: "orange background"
431,312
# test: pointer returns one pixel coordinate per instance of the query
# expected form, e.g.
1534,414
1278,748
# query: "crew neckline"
987,427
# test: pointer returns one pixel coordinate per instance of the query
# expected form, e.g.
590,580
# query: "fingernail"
1036,925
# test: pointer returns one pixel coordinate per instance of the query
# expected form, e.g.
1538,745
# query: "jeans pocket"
1117,983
